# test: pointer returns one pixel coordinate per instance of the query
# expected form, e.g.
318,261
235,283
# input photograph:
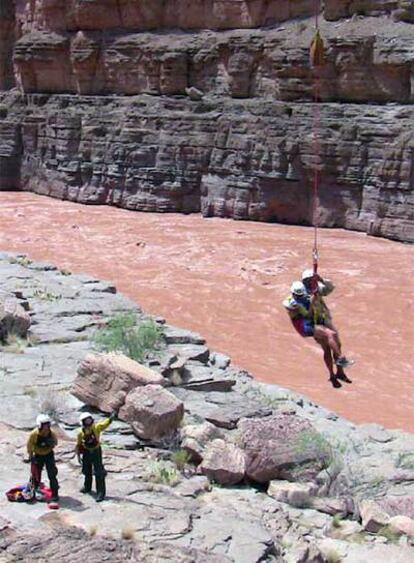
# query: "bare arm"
325,287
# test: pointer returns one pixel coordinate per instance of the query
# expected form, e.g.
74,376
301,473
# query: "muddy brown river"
227,279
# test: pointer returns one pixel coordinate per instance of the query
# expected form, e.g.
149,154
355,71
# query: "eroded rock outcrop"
360,65
398,505
195,439
158,14
75,545
14,319
280,447
7,39
224,463
295,494
104,380
373,517
337,9
218,119
402,525
253,160
152,412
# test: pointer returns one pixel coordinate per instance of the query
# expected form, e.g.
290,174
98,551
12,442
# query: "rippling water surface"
227,279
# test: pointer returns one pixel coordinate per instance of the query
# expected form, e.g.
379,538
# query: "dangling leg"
333,342
324,339
340,360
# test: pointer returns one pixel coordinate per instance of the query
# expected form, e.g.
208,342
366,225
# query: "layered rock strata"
246,160
109,115
7,39
63,15
360,65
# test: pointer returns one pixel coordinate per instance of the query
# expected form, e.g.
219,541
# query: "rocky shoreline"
273,476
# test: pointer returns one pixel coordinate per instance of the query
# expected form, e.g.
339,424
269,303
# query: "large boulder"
191,352
196,438
402,525
104,380
221,409
152,412
405,12
282,446
372,516
224,463
13,319
295,494
332,506
205,378
397,505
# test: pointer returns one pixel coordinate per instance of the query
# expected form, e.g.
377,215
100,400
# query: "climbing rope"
317,56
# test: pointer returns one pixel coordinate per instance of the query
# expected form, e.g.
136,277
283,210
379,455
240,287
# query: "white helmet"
307,274
84,416
43,419
298,288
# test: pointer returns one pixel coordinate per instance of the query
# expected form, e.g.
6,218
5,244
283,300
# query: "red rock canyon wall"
165,105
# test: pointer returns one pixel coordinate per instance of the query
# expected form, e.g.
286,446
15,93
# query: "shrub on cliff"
124,334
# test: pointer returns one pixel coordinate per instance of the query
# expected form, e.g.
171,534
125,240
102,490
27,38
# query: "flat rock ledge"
204,463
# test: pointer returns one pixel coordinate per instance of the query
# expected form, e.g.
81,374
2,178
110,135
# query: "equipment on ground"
27,493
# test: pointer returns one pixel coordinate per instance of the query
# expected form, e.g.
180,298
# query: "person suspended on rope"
89,452
325,286
298,307
306,307
322,288
40,449
310,317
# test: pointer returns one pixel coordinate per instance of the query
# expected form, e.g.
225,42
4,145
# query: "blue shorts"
304,327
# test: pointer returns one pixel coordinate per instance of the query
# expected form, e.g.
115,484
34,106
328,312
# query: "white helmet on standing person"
84,416
307,274
43,419
298,288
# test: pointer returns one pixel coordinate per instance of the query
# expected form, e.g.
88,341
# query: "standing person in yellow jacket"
40,448
89,452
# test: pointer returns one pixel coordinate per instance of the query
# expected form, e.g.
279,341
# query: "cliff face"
109,114
7,38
